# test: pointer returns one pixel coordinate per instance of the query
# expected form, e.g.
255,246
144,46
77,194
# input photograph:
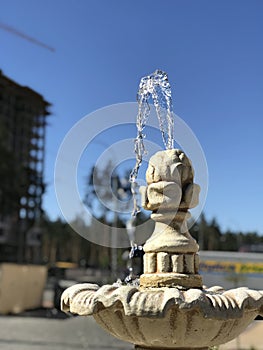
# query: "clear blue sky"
212,51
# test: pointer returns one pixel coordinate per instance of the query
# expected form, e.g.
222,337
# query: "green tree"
62,243
207,234
210,237
107,194
229,241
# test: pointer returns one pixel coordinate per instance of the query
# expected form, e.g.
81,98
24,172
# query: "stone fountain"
170,308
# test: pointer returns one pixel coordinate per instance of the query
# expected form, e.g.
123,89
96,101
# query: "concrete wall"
21,287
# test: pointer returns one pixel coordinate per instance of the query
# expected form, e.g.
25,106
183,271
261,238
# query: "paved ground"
251,339
31,333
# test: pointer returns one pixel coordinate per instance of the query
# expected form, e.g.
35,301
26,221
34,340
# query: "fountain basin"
166,317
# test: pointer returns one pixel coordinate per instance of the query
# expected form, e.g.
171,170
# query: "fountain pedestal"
171,257
170,309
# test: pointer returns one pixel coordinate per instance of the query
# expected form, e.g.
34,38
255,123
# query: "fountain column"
171,257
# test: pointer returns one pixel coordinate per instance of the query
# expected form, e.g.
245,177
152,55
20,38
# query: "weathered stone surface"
163,262
150,262
177,263
169,194
171,279
163,195
170,165
166,317
167,238
87,298
190,198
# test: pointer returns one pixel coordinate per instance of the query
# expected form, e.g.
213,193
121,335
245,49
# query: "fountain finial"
170,253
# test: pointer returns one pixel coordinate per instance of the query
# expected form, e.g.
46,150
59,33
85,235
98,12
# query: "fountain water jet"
170,309
157,86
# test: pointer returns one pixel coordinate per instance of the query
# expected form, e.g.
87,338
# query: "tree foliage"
210,236
107,195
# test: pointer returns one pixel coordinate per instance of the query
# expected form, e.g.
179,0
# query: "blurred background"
61,60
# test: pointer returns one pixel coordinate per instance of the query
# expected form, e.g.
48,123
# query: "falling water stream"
156,87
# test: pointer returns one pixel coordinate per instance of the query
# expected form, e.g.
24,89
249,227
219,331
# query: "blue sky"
211,50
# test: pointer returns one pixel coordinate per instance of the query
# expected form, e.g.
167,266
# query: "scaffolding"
23,114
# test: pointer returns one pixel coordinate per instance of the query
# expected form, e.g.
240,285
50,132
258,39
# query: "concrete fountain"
170,308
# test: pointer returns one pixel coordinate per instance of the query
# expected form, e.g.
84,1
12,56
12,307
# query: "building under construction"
23,114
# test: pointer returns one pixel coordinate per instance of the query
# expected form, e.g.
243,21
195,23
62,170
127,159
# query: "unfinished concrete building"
23,114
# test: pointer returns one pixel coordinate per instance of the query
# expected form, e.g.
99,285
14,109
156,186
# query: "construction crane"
16,32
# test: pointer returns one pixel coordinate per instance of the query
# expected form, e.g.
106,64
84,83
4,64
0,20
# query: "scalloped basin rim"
213,303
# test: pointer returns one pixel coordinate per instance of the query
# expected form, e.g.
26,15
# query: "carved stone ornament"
170,308
166,317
